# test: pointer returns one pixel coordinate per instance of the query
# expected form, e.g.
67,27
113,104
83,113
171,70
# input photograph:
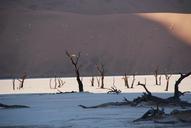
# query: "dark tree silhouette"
58,83
98,81
21,81
14,84
167,77
156,76
178,93
55,82
125,78
101,70
23,77
74,60
92,81
144,86
160,80
133,81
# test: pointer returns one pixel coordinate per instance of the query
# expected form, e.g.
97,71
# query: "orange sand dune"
127,36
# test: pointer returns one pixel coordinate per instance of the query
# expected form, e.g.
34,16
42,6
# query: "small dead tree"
167,77
98,81
22,80
160,80
144,86
50,85
13,83
156,76
125,78
113,81
101,70
178,93
114,90
60,82
55,82
133,81
75,62
92,81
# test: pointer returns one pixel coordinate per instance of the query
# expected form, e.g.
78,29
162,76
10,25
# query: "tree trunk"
80,84
102,81
167,84
13,84
133,81
77,67
177,93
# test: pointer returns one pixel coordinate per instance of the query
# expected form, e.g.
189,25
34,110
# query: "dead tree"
14,84
74,60
55,82
92,81
125,78
133,81
101,71
167,77
114,90
22,80
50,85
160,80
156,76
114,81
98,81
144,86
178,93
60,82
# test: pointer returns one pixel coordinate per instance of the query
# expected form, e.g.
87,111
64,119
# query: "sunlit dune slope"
177,24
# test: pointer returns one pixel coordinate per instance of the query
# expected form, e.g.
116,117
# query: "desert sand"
127,36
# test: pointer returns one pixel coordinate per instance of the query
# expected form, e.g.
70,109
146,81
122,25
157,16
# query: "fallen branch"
104,105
159,116
144,86
5,106
152,114
114,90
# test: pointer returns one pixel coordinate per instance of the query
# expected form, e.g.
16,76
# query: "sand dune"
127,36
